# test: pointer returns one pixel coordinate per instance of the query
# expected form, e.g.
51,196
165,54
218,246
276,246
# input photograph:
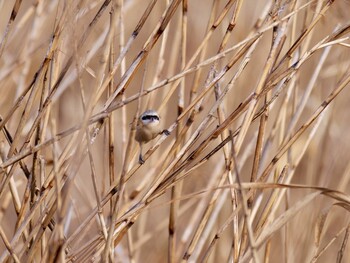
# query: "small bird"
148,128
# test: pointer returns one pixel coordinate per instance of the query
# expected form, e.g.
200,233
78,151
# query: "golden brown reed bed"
254,93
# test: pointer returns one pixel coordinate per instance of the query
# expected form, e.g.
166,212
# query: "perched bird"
148,128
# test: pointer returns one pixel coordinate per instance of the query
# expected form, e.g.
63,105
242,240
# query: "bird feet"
166,132
141,160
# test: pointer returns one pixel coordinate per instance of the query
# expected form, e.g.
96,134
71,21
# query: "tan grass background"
254,93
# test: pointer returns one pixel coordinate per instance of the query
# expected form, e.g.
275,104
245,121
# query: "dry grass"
254,93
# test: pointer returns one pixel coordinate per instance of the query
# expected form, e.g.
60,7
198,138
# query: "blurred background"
75,74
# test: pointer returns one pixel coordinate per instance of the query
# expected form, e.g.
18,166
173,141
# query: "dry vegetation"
254,93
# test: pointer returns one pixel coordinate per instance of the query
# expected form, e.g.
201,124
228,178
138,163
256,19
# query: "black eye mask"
150,117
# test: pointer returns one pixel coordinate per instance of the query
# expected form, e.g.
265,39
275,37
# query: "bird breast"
147,133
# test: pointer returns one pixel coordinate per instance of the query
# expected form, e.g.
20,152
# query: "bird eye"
150,117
